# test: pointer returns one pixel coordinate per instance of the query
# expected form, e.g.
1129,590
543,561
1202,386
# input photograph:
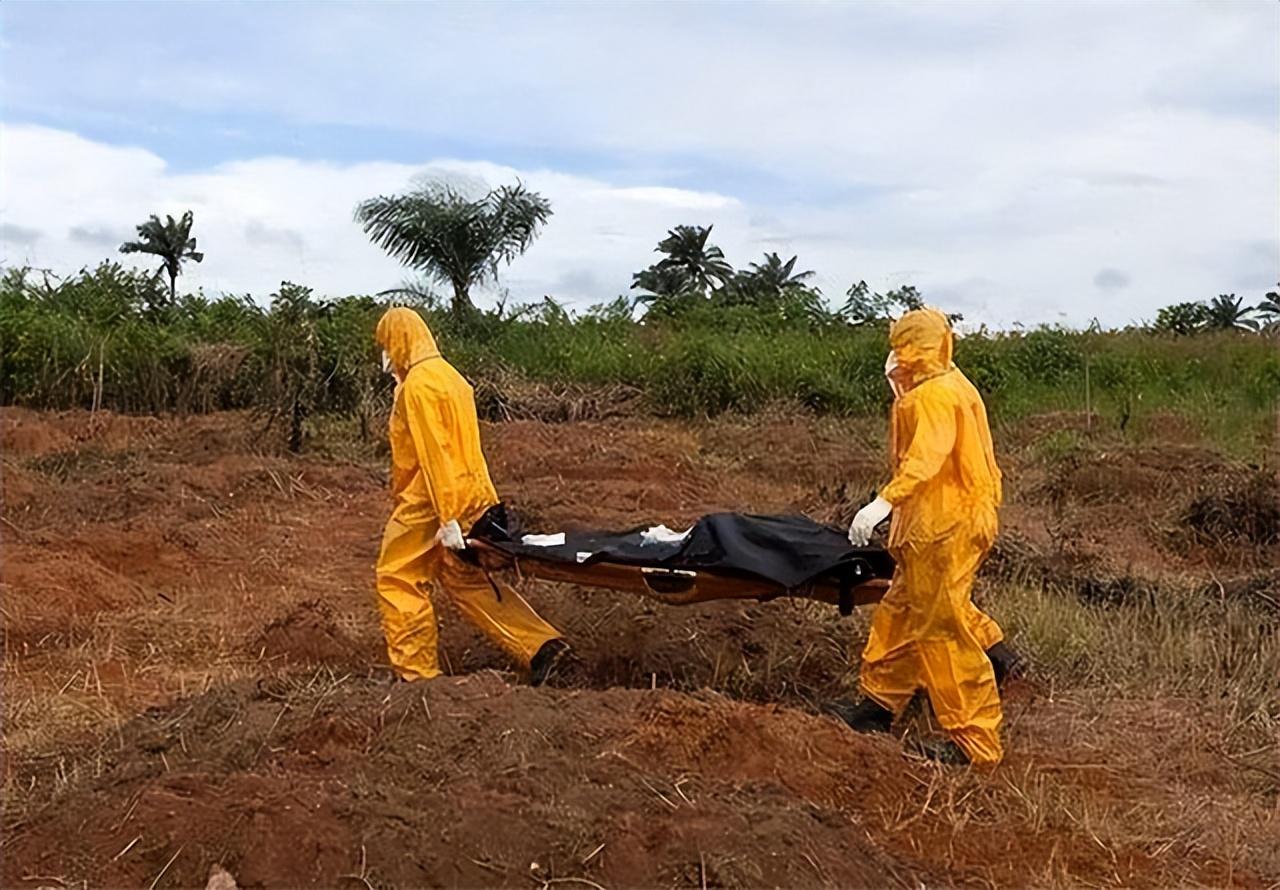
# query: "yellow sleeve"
934,439
997,478
433,427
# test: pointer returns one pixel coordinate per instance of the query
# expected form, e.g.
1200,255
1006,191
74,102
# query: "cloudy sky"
1032,162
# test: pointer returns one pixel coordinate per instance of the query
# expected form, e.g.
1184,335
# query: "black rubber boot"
865,716
942,751
1005,662
543,665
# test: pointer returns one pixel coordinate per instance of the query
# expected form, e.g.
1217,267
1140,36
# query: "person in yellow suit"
440,486
926,633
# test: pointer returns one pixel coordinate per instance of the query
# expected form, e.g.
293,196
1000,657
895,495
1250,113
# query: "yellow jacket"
944,467
438,471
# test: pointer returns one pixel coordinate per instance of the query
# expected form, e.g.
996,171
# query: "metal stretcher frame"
676,587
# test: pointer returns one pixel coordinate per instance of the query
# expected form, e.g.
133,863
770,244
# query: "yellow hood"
922,342
405,338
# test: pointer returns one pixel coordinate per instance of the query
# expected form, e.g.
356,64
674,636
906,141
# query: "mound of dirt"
471,782
1014,558
468,782
44,591
1096,580
26,434
1246,512
308,634
177,594
1129,476
20,489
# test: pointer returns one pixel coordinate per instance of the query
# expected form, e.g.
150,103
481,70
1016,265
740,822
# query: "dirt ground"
193,675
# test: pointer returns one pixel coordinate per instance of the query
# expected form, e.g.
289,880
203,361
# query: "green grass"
108,337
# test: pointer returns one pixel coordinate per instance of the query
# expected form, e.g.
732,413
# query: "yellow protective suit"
926,632
438,473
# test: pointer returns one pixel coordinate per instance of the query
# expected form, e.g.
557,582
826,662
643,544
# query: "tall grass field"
111,338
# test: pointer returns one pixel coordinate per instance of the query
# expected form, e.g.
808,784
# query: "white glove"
450,535
867,519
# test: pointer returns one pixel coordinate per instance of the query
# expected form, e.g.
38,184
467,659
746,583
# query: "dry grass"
1247,511
505,396
1154,731
1146,740
1177,643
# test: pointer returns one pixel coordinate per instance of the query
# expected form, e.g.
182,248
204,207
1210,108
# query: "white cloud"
1019,243
262,221
999,156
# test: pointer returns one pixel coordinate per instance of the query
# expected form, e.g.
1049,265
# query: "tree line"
695,337
450,238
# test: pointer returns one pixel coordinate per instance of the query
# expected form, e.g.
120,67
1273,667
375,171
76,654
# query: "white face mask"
386,363
890,367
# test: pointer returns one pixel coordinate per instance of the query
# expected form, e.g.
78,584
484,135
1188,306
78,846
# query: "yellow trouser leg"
408,564
925,633
983,626
497,610
408,621
954,666
890,671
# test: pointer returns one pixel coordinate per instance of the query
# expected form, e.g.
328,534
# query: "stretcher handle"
665,582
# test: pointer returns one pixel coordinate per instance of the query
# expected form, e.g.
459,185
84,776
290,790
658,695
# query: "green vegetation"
109,337
1225,312
712,339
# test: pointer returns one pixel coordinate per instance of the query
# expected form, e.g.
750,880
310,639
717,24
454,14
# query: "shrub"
104,338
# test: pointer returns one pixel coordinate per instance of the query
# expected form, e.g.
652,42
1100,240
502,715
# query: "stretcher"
722,557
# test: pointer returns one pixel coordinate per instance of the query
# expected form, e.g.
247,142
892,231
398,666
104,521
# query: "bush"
104,337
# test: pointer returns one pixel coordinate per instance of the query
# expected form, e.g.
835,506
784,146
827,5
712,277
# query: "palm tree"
452,238
770,284
1269,307
1227,312
687,251
660,282
774,277
171,241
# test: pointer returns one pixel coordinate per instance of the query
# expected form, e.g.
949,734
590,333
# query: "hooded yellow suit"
438,474
926,632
